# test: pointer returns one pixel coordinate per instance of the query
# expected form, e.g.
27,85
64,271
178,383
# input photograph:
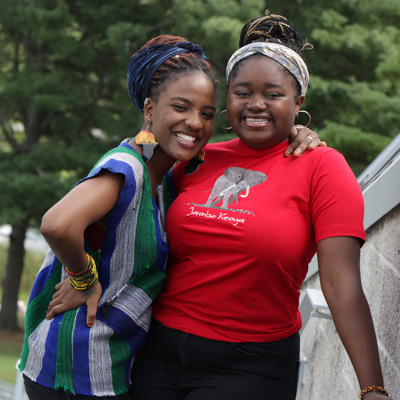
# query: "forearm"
338,259
355,327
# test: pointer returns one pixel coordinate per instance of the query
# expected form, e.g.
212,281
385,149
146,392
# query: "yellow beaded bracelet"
86,278
373,388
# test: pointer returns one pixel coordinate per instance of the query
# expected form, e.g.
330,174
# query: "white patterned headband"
288,58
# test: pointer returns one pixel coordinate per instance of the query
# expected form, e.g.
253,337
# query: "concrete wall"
328,372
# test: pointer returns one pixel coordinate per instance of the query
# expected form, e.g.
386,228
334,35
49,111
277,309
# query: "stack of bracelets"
373,388
86,278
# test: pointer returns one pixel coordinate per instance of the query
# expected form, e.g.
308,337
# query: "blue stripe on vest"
81,354
124,326
47,373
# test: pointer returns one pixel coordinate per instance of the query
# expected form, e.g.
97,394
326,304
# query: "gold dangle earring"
147,140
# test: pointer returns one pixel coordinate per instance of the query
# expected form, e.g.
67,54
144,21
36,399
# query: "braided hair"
183,63
273,28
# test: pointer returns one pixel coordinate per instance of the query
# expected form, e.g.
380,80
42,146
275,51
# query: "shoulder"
322,167
325,158
123,153
331,172
321,153
122,159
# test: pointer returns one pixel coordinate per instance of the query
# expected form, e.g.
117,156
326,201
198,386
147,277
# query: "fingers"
56,301
302,139
67,298
294,140
56,296
314,141
91,313
92,303
54,310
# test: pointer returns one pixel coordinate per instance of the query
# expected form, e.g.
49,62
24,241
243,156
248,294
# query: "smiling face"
182,115
262,102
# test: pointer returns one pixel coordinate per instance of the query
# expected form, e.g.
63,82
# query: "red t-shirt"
242,232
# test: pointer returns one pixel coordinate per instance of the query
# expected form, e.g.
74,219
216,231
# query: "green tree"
354,94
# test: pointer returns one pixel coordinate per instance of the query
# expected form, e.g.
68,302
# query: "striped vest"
64,353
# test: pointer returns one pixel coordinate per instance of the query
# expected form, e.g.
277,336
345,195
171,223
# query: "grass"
11,343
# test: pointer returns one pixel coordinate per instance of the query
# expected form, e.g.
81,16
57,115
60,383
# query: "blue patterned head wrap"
288,58
143,65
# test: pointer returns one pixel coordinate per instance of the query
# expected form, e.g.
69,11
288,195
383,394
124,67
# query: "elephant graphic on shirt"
231,177
228,187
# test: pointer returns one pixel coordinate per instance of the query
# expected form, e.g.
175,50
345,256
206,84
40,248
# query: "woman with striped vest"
107,234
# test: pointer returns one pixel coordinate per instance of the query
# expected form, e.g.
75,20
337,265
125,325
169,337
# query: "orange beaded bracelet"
373,388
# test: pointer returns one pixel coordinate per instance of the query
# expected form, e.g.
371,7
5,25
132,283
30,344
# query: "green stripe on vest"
64,377
118,349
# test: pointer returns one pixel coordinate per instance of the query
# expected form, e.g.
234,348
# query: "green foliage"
36,180
356,145
60,72
354,75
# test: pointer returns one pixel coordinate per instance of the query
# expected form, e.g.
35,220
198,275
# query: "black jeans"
175,365
35,391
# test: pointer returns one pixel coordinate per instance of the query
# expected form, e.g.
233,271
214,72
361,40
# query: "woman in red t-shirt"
242,231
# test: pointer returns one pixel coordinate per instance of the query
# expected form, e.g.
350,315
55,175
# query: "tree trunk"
12,279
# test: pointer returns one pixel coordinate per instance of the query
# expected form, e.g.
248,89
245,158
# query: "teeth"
257,120
186,138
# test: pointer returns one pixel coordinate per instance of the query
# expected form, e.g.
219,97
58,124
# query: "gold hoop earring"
227,129
309,118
